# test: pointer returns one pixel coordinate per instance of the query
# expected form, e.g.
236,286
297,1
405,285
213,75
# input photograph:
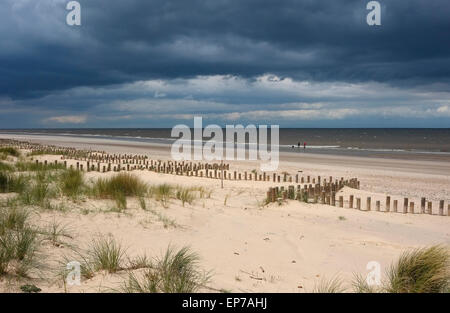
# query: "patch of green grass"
106,254
10,182
185,195
10,151
37,194
176,272
122,183
19,248
162,193
6,167
425,270
71,183
12,218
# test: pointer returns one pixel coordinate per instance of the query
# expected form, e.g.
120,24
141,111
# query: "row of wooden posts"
37,148
207,170
318,194
100,161
325,191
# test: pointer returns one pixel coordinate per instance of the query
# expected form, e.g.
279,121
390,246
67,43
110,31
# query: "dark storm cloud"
126,41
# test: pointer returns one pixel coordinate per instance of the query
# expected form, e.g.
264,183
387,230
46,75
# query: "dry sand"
254,248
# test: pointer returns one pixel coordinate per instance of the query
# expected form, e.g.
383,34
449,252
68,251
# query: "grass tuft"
360,285
106,254
425,270
122,183
10,151
175,272
71,182
6,167
162,193
333,285
185,195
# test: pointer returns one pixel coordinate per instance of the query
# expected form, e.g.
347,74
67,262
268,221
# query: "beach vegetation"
10,151
360,285
162,193
10,182
6,167
55,232
185,195
424,270
106,254
122,183
18,242
176,272
333,285
71,183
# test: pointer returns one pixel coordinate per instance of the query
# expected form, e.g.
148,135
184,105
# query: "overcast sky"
157,63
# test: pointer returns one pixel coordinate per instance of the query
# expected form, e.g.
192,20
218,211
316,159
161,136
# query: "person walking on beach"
304,145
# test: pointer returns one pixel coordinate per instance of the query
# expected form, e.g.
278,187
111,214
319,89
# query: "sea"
389,142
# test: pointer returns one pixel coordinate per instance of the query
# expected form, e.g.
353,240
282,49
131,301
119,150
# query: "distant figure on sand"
304,145
298,145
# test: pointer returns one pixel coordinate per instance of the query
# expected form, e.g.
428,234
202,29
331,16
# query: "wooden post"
358,203
395,205
411,207
430,207
369,203
405,205
448,209
377,205
350,202
422,205
221,176
341,201
441,207
388,203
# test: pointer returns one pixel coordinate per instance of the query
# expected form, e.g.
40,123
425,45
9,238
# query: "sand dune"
251,247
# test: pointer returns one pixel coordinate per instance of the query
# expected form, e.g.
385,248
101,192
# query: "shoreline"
437,164
323,149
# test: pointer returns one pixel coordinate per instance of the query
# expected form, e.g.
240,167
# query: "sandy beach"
247,245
